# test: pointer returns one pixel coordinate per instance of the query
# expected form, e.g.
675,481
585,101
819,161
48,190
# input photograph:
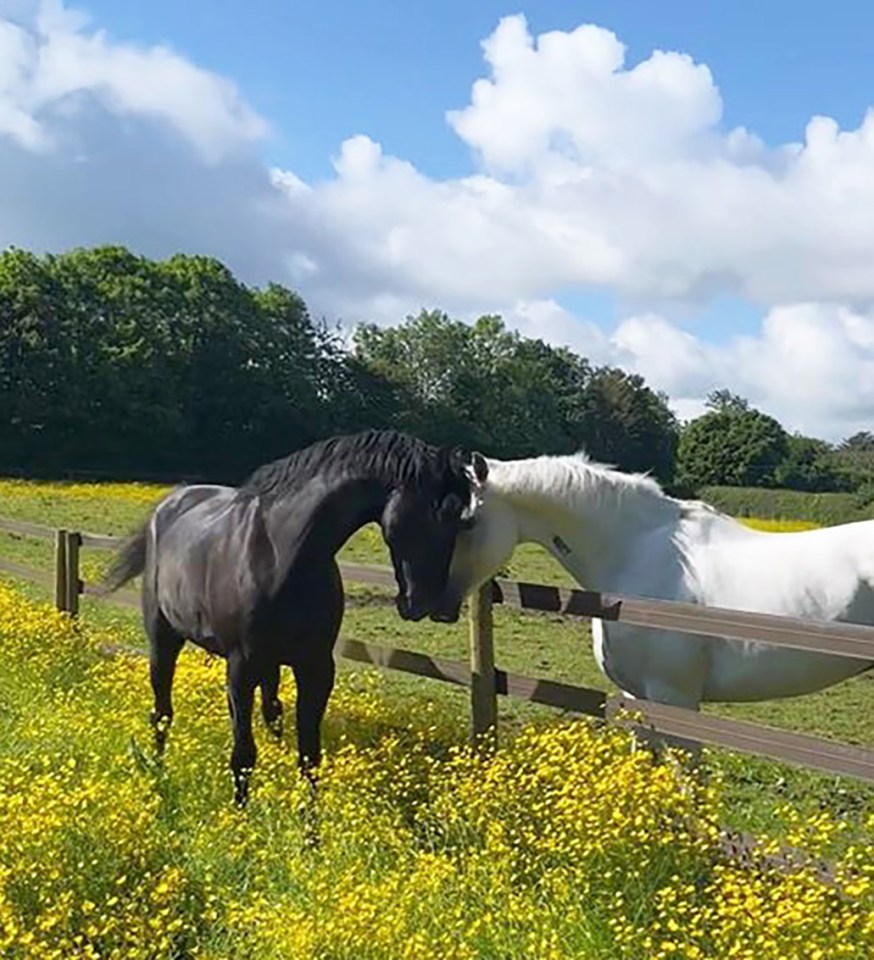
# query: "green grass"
539,645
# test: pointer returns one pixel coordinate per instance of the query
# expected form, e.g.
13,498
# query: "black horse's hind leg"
242,679
315,681
271,705
164,644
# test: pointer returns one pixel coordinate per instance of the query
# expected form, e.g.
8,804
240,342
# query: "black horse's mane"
395,458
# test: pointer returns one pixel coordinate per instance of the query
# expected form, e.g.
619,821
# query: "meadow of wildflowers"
569,843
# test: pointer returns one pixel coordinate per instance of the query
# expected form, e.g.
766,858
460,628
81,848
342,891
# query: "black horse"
249,573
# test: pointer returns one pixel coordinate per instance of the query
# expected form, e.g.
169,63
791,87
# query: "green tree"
854,462
35,360
861,442
432,360
736,447
513,396
809,464
724,401
113,361
627,423
477,383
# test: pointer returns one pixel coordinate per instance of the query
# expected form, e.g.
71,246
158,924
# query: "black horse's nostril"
416,610
446,613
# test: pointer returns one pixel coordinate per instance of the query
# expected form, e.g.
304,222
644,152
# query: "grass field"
569,844
537,644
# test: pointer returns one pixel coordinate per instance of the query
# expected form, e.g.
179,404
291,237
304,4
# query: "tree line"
111,362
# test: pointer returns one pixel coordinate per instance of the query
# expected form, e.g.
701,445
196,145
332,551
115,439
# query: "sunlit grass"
539,645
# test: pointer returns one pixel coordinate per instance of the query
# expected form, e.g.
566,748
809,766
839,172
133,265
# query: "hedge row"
771,504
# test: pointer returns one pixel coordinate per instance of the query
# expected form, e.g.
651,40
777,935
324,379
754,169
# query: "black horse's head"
421,521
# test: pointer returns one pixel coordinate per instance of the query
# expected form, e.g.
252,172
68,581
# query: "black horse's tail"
129,562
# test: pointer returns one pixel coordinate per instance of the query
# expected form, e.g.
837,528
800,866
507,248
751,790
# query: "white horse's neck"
587,516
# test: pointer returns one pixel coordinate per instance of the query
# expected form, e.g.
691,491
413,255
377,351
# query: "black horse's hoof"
273,720
241,789
160,728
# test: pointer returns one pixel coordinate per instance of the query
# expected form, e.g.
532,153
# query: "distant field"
540,645
778,526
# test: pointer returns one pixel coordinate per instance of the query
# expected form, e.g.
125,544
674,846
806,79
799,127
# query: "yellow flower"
568,843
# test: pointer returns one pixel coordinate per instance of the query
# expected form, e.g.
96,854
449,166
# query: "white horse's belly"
772,673
685,669
667,667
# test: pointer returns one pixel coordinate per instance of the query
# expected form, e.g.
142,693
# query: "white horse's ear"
480,467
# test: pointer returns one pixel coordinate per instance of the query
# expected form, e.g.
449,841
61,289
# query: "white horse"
620,533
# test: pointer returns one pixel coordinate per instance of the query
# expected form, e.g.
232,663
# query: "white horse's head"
479,552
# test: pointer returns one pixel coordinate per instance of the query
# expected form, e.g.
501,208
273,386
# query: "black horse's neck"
316,498
333,512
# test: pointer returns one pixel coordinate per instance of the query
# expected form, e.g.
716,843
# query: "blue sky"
322,71
679,214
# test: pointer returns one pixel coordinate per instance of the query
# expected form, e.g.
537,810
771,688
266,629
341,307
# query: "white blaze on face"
476,495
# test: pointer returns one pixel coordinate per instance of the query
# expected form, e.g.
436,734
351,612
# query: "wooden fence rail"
486,682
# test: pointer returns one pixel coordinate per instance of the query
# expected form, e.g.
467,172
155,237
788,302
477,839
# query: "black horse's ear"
480,467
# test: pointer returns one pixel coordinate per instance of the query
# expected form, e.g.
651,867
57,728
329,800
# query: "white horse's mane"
576,478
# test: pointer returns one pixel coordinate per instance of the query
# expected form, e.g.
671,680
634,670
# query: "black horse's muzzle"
411,608
447,610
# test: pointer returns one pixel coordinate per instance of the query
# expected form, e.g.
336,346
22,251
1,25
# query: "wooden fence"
486,681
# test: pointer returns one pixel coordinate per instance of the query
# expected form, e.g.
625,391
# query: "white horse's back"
811,573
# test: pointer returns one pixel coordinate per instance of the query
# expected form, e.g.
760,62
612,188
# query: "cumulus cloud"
587,171
51,67
593,172
107,142
569,95
811,365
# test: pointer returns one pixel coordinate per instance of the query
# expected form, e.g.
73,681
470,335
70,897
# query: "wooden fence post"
72,581
60,569
483,689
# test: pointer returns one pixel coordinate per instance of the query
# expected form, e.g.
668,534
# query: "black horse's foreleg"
315,681
164,647
241,682
271,705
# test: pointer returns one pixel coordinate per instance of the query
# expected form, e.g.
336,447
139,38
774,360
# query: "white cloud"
811,366
569,95
107,142
588,173
596,173
44,69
